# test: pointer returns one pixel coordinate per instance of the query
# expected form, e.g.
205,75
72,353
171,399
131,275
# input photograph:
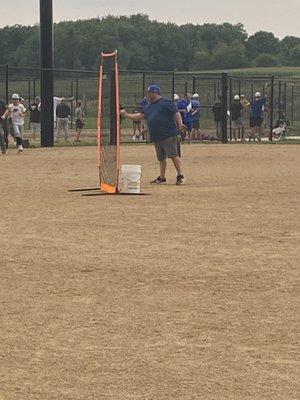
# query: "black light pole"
46,54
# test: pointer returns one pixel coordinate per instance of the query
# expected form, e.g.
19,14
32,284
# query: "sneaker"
20,148
159,181
4,151
133,137
179,180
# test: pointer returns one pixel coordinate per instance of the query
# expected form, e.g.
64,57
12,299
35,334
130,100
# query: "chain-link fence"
282,95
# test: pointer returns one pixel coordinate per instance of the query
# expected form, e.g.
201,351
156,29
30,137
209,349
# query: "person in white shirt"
17,111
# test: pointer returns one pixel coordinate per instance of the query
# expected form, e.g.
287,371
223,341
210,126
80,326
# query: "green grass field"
282,72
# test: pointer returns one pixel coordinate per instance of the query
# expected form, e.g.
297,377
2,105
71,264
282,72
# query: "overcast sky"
278,16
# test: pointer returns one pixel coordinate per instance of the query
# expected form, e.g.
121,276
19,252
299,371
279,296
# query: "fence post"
173,85
29,99
224,83
6,83
230,100
292,116
279,97
143,85
76,91
72,107
272,106
285,97
194,84
34,89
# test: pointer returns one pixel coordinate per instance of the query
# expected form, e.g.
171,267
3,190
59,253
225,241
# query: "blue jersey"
257,108
161,119
195,112
184,106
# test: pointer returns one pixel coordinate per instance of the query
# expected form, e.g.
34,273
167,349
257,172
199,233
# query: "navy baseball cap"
153,89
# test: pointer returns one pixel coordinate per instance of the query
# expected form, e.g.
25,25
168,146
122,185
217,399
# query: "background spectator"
63,114
79,120
35,117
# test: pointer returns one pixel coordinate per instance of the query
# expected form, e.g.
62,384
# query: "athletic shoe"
133,137
4,151
159,181
179,180
20,148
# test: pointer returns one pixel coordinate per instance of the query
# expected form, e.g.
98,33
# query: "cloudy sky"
278,16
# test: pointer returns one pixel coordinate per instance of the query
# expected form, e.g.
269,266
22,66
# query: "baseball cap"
153,89
195,96
257,94
15,96
236,97
176,97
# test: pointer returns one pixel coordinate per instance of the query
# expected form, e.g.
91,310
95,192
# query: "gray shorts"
167,148
238,123
16,130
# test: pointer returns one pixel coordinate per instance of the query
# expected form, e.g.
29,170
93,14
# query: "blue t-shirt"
161,119
183,104
195,112
257,108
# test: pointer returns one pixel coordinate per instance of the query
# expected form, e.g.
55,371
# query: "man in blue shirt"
184,107
195,116
163,121
257,107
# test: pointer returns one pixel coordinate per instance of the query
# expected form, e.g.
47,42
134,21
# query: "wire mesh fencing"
282,96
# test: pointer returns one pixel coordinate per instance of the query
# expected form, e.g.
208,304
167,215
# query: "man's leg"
2,142
242,134
177,164
162,169
259,131
57,129
66,129
33,130
234,133
18,135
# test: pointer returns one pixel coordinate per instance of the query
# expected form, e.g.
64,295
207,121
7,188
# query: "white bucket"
130,179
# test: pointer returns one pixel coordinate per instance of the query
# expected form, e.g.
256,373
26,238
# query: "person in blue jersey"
164,122
195,116
144,126
257,107
184,107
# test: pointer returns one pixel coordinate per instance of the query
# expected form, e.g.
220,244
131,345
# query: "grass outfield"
283,72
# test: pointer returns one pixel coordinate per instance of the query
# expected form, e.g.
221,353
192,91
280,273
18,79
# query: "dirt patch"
188,293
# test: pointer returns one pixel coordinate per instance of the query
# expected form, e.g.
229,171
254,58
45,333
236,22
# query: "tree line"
144,44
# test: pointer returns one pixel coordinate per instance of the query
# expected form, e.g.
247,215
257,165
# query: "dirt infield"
188,293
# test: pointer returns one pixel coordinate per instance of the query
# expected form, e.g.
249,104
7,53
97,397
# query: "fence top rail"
200,74
137,71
